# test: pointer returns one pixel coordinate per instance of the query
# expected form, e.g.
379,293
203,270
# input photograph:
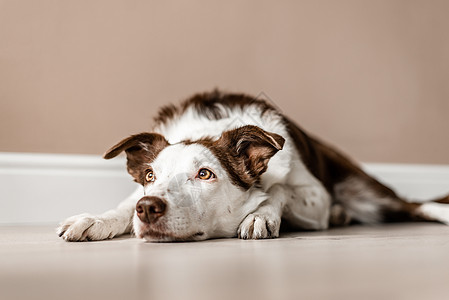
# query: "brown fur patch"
209,104
141,149
166,113
444,200
332,167
329,165
244,152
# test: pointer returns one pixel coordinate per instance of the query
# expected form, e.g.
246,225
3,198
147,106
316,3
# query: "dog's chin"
151,235
169,237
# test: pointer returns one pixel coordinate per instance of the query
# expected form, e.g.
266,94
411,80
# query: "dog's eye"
205,174
149,177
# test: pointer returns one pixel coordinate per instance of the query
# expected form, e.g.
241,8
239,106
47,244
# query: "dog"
223,165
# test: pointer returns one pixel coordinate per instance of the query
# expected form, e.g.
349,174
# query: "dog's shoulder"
213,105
209,114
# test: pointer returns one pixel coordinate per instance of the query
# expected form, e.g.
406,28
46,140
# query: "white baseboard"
46,188
412,181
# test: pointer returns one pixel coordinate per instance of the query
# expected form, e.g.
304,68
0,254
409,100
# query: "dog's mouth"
161,232
159,236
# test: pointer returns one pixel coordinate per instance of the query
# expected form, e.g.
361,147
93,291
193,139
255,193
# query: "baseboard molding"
46,188
416,182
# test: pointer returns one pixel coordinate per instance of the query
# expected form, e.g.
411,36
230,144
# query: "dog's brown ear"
141,149
255,145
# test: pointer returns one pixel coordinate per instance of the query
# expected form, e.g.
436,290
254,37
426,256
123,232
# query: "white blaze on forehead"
182,158
175,170
182,162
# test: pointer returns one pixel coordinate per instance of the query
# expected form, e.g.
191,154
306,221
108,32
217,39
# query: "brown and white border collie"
226,165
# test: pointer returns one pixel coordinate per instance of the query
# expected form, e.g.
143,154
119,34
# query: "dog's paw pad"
257,226
84,227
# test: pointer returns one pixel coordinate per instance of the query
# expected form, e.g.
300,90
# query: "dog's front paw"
85,227
257,226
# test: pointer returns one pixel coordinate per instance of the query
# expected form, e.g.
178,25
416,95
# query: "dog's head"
196,190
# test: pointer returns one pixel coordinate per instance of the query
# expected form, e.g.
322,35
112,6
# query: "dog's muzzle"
150,209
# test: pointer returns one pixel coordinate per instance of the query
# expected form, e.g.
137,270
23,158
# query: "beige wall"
369,76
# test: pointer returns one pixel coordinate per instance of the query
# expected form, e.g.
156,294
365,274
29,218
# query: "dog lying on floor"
226,165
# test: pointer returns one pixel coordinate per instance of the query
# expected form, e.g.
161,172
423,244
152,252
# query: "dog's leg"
266,220
436,210
105,226
338,216
366,200
308,207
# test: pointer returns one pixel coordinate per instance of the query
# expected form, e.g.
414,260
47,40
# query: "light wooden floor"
406,261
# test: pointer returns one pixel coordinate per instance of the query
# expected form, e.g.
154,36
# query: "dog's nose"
149,209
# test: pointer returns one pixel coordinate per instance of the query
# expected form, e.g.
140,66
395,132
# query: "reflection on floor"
400,261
